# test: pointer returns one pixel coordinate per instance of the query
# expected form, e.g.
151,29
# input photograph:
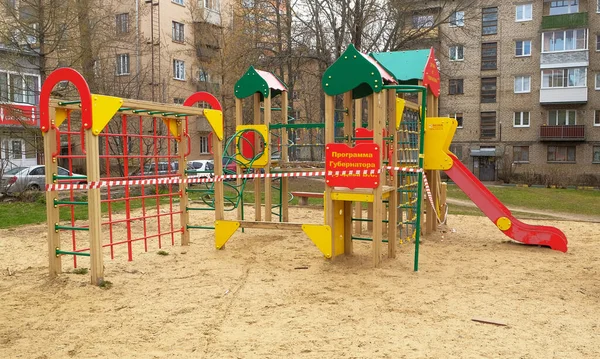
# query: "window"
122,23
123,64
203,76
178,2
561,153
457,53
572,77
488,125
457,150
204,147
458,116
523,48
521,119
457,19
597,86
489,53
596,154
178,100
19,88
524,12
522,84
564,7
211,4
422,21
562,117
488,90
597,118
489,21
598,7
4,87
178,70
520,154
16,148
455,87
178,32
564,40
598,38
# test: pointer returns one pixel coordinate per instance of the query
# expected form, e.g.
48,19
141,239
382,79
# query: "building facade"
523,81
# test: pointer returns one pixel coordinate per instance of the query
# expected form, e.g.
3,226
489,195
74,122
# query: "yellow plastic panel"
172,126
223,231
60,117
215,119
320,235
351,197
264,158
399,111
103,110
439,132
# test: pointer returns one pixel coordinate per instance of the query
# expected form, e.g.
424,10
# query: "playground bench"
304,196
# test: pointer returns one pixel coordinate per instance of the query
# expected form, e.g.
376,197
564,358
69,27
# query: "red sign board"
352,167
13,114
431,75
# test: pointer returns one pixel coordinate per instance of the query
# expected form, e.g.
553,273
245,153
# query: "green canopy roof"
404,65
263,82
356,72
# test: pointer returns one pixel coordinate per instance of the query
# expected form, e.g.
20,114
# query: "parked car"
207,166
160,168
31,179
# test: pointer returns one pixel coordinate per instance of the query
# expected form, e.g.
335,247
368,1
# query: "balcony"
562,133
575,58
576,20
561,95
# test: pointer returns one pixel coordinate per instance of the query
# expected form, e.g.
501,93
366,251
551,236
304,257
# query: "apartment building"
523,80
175,44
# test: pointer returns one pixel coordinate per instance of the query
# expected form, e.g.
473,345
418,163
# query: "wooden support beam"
378,103
257,191
393,181
94,208
239,114
272,225
52,214
284,157
268,148
358,205
329,138
182,148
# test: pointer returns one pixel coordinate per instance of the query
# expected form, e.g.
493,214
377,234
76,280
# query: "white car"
201,168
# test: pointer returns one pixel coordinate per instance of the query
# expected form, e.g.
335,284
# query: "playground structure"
383,151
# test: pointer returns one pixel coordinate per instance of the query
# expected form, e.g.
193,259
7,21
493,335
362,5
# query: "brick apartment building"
523,80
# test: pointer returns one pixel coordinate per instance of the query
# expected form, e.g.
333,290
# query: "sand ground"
270,294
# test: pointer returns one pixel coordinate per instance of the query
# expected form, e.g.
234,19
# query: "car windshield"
210,166
14,171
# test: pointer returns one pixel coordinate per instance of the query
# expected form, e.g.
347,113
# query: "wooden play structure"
134,153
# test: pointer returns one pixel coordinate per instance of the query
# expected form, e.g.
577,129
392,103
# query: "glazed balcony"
576,20
560,95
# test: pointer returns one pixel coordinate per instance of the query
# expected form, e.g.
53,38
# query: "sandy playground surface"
270,294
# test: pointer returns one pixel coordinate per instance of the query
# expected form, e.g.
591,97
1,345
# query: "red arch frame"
74,77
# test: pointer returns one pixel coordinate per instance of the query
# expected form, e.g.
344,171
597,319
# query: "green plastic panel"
352,72
404,65
252,82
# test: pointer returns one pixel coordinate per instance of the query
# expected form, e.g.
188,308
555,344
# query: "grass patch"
162,253
106,284
80,271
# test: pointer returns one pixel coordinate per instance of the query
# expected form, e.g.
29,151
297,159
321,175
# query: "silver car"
32,178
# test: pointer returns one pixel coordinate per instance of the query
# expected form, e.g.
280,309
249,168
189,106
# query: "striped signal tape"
178,180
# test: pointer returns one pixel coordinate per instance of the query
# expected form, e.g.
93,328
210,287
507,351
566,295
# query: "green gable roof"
353,71
263,82
404,65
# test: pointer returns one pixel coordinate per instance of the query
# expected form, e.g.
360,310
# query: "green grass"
573,201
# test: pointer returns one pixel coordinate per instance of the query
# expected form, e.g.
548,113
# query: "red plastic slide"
495,211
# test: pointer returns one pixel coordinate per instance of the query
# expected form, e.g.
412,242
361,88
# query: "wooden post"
370,115
94,207
378,103
393,161
347,209
217,146
329,138
52,214
183,186
257,192
358,205
268,147
284,158
238,181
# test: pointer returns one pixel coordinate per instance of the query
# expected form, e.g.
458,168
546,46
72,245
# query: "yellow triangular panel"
223,231
439,132
60,117
103,110
399,111
215,119
172,126
320,235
